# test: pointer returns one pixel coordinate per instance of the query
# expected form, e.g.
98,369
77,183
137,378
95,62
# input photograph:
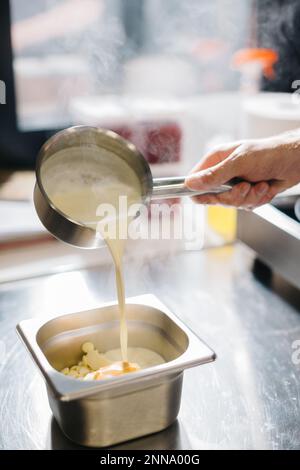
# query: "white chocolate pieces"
98,366
91,361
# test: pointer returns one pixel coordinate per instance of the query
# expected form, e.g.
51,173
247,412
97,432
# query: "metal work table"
248,399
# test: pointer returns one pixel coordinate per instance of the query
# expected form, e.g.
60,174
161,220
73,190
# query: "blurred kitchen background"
174,77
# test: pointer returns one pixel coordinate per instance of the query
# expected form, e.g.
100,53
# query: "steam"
179,23
52,39
63,50
278,25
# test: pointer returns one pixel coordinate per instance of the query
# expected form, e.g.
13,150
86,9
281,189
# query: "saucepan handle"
166,188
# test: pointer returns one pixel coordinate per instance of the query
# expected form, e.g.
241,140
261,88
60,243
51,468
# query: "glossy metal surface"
115,410
249,398
59,224
167,188
276,239
113,417
84,137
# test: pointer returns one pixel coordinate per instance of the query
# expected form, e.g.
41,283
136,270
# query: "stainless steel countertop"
249,398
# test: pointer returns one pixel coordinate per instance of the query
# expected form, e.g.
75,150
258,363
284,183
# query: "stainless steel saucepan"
68,155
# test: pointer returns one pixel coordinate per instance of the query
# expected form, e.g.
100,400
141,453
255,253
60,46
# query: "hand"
268,166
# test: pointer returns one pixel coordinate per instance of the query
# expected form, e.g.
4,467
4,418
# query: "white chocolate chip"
90,362
95,360
84,361
74,374
87,347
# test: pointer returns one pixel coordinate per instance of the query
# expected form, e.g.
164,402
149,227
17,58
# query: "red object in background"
163,143
159,142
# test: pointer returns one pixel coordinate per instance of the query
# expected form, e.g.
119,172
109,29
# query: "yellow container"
223,220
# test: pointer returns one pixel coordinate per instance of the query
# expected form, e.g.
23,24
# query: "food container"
104,413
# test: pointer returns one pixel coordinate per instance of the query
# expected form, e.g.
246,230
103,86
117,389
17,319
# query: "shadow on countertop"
272,280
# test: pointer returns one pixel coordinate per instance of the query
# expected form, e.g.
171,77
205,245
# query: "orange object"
267,57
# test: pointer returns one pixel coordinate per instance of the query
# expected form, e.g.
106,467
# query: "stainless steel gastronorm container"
104,413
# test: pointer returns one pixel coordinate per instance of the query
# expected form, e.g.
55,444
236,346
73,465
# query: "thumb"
211,177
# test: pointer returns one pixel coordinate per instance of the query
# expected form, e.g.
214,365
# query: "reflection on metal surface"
172,438
253,402
276,239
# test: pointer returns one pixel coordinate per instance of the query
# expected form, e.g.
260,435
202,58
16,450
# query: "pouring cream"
97,205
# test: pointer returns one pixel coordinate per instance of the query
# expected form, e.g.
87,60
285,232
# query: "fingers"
212,177
235,197
243,195
216,156
255,196
254,161
276,187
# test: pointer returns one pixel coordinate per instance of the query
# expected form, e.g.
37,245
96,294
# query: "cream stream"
81,201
